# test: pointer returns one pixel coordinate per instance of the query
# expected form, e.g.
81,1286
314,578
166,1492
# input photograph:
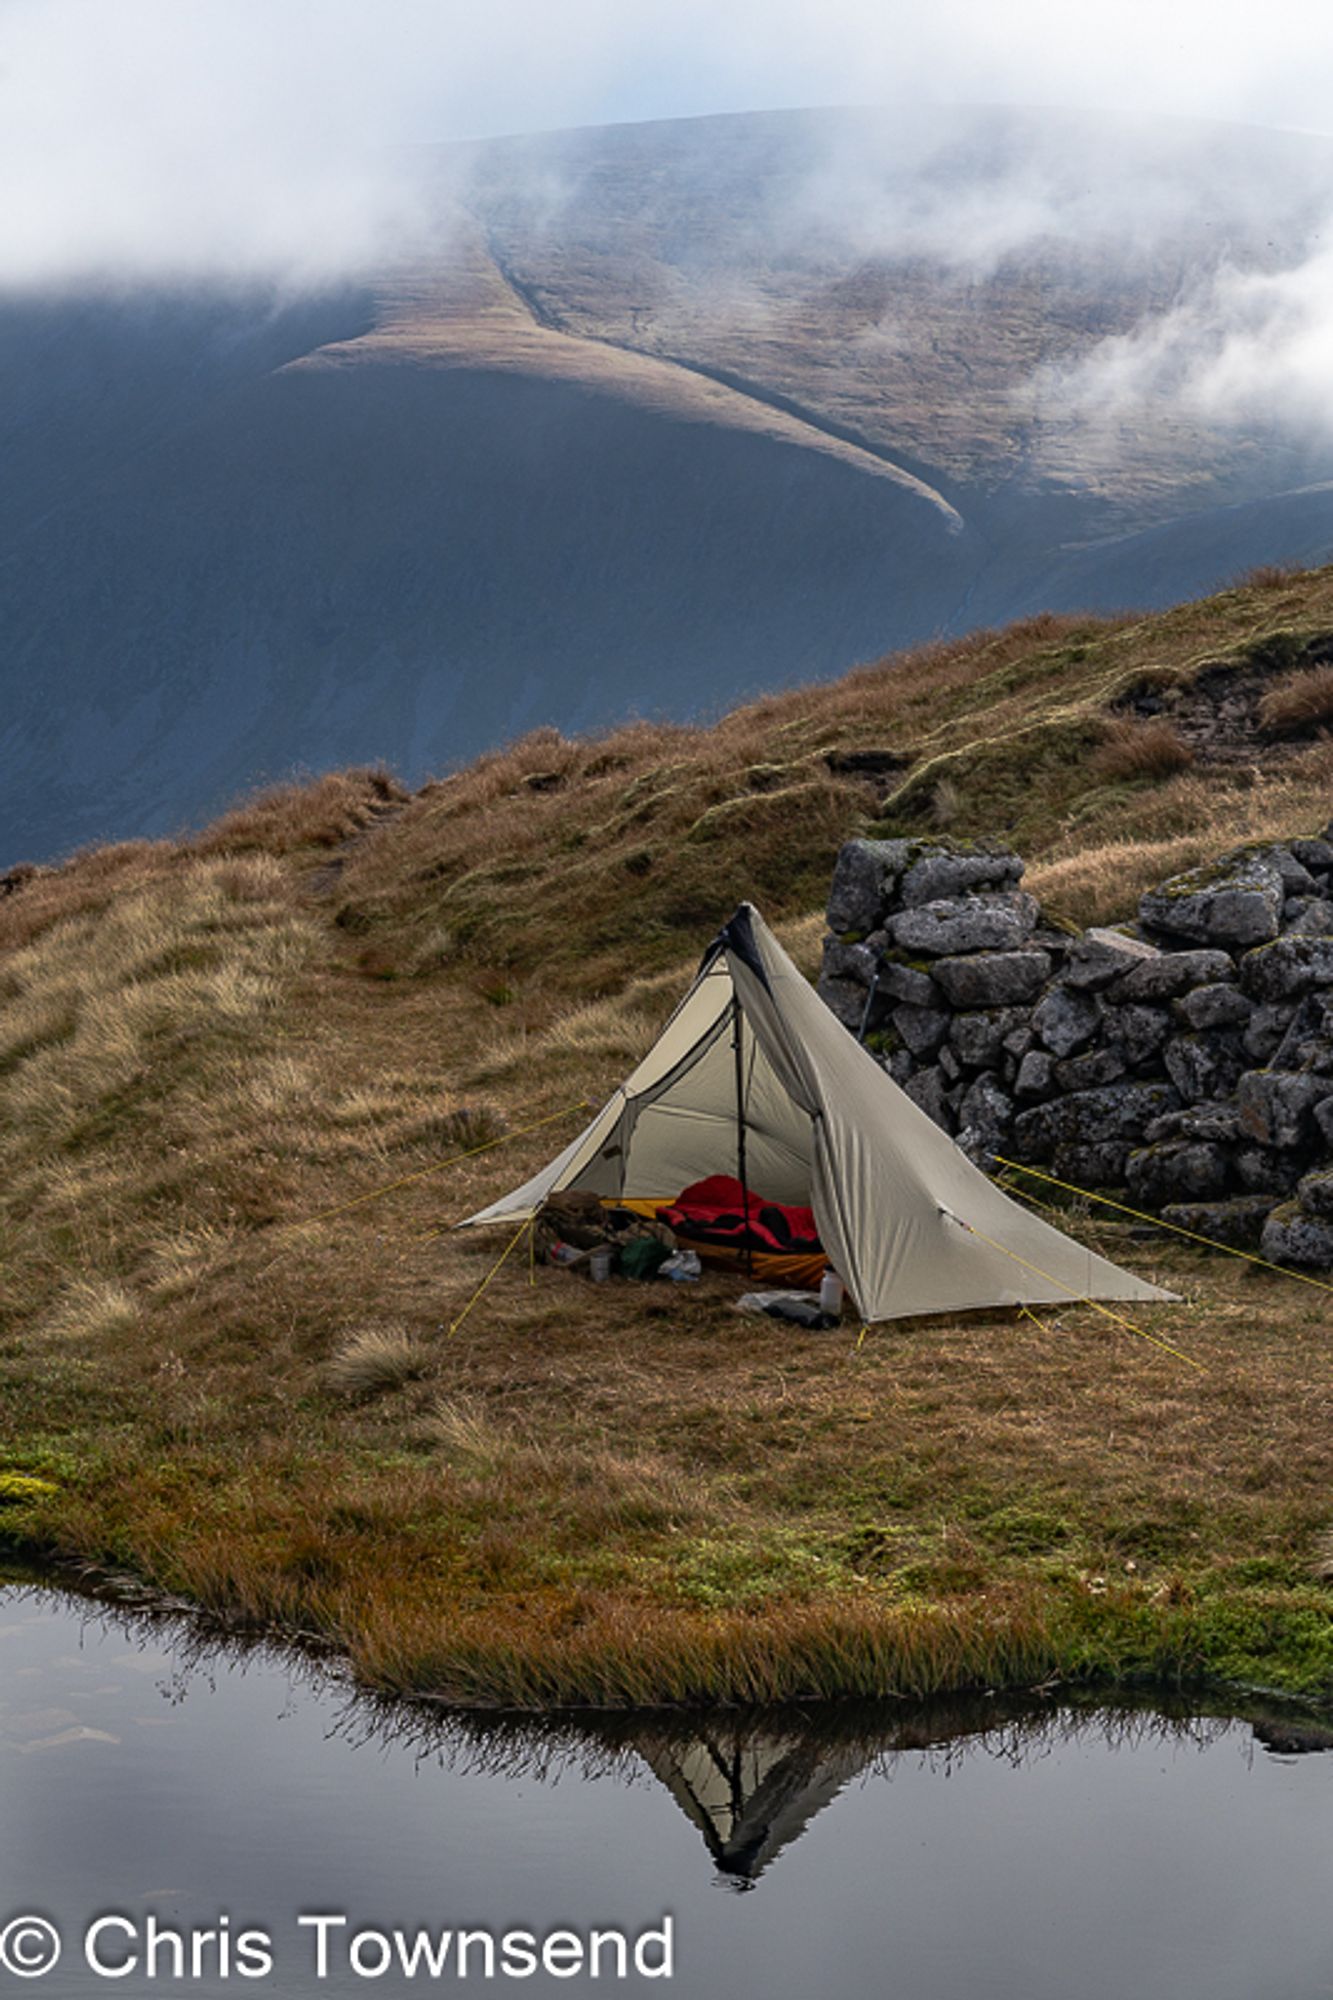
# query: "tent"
752,1075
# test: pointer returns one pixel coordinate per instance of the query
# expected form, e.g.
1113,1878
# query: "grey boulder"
1100,956
952,871
1170,974
974,923
1277,1109
1219,1006
1292,1236
1236,902
992,978
865,875
1066,1020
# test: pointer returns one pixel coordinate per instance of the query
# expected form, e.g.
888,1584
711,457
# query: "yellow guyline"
530,1225
1210,1242
342,1207
1081,1298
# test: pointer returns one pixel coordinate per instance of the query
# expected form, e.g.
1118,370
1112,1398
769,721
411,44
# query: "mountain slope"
647,419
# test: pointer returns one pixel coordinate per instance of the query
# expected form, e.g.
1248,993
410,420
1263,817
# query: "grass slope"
228,1369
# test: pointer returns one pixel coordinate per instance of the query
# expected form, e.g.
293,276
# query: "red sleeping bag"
716,1211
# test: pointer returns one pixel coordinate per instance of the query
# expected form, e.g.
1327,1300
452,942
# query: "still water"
1038,1855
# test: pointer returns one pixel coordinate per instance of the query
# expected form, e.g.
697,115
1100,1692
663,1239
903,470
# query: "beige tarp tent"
753,1076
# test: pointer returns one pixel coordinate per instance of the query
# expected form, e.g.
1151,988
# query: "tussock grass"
1298,703
1140,750
375,1360
232,1070
93,1310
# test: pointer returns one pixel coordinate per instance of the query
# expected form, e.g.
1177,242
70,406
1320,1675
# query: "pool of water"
1024,1855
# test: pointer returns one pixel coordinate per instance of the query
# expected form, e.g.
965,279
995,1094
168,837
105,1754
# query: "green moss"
20,1488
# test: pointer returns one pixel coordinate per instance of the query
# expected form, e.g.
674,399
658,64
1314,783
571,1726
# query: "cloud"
1238,347
180,140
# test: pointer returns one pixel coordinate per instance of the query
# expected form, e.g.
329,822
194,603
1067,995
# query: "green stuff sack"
642,1257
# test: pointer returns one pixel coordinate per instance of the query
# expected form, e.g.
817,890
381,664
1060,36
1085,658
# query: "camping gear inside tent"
753,1078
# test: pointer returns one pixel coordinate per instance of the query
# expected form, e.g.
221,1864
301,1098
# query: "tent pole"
741,1174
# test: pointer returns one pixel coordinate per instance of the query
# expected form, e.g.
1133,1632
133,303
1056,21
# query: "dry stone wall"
1186,1057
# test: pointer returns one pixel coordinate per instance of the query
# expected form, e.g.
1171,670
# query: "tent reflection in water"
751,1791
752,1075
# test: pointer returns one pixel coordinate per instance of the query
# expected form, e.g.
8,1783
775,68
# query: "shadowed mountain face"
652,418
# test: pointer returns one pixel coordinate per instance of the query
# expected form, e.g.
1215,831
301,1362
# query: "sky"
143,137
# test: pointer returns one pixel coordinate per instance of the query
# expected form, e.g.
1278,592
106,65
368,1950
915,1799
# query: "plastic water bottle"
830,1293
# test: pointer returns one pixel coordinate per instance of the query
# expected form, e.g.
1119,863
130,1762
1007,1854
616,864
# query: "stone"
952,872
1100,956
1142,1032
1315,855
849,961
1323,1118
1179,1170
1036,1076
906,983
845,1000
921,1029
1066,1021
1217,1121
1308,1042
1170,974
1264,1031
1307,916
1296,878
949,1063
1315,1192
1202,1066
865,875
1291,1236
992,978
1263,1171
1238,1221
1118,1112
1236,901
1287,968
900,1065
984,1116
1218,1006
1090,1070
1090,1166
979,1038
974,923
1019,1039
1277,1109
928,1092
1169,1126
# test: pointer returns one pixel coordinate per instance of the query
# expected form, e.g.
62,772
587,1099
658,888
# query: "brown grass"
376,1359
1135,751
223,1179
323,812
1297,704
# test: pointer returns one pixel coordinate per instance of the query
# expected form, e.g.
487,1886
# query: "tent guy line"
1160,1222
